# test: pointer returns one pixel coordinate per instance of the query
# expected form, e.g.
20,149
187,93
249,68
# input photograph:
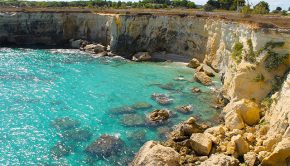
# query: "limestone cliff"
252,62
53,28
244,55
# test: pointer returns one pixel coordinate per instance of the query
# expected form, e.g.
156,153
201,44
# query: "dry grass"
258,21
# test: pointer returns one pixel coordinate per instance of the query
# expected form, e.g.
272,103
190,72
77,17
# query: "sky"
273,3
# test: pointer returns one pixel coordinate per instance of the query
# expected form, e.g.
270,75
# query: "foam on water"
37,87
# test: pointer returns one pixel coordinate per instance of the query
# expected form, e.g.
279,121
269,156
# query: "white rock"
201,144
220,160
153,154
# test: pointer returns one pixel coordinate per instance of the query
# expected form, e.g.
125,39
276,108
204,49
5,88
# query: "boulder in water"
202,78
158,116
105,146
194,63
141,56
99,48
184,109
94,48
65,123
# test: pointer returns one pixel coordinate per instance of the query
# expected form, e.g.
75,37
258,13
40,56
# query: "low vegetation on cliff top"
229,5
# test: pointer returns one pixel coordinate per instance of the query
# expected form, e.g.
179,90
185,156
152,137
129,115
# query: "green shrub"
246,11
251,56
266,102
272,44
208,8
262,8
237,52
276,83
274,60
284,13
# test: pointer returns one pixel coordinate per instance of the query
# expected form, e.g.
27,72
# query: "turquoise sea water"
40,89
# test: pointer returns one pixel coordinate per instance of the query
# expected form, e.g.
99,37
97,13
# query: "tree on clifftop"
262,8
226,4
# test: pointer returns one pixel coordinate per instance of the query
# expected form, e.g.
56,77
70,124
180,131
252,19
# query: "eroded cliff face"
245,72
53,28
185,36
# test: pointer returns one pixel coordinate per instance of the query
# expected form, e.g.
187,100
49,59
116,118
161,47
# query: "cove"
54,103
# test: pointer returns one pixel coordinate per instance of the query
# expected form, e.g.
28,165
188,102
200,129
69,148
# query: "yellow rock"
201,144
250,112
234,121
247,109
280,156
231,148
241,145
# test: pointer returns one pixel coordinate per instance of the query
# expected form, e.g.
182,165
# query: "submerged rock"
105,146
156,95
161,99
77,135
65,123
138,136
60,149
184,109
141,105
163,132
202,78
133,120
152,154
141,56
168,86
158,116
195,90
122,110
164,101
179,78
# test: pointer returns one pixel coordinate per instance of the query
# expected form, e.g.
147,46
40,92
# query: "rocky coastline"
253,64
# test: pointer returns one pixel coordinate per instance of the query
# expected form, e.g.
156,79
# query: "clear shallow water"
38,87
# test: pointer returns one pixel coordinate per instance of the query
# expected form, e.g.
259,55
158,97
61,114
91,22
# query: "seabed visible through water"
54,103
